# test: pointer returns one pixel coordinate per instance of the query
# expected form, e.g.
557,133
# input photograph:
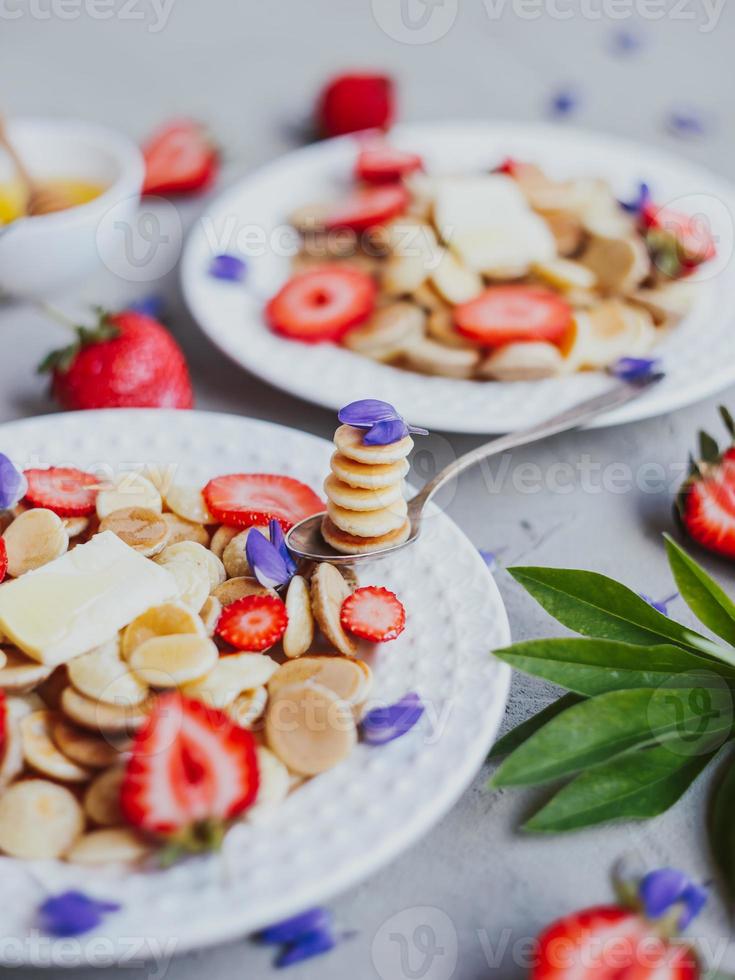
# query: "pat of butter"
81,600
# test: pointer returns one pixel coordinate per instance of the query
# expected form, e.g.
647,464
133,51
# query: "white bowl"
44,255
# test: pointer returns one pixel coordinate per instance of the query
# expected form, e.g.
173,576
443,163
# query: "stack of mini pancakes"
366,509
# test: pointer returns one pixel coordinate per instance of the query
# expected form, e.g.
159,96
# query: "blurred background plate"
251,220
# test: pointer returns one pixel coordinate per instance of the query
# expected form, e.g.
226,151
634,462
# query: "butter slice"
81,600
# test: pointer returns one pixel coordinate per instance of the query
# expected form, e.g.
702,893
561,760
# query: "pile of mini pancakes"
366,508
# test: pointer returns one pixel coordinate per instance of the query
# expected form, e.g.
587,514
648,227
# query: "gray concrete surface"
250,69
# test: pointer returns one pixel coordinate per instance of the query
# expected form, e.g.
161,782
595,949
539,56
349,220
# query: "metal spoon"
40,198
305,539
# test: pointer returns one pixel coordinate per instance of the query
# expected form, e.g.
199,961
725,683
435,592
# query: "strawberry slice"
254,622
374,614
385,165
3,560
691,235
506,314
594,944
322,304
709,512
64,490
367,207
179,158
191,770
247,499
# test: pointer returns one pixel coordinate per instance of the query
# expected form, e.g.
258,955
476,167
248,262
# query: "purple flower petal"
384,433
275,532
312,944
264,559
626,42
73,913
290,930
152,306
227,267
366,412
564,103
13,484
660,605
638,203
634,368
382,725
688,123
491,558
659,891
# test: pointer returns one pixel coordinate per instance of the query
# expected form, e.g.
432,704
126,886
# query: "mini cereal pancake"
429,357
11,758
140,528
368,476
91,751
529,361
192,582
97,716
248,707
102,798
299,633
20,674
221,538
76,525
309,728
188,503
273,787
3,659
236,588
183,530
126,491
230,676
350,544
388,330
619,264
34,539
171,661
113,845
454,281
440,327
349,442
343,675
103,675
190,551
234,558
42,755
38,820
164,620
210,614
565,274
49,691
369,523
328,591
355,498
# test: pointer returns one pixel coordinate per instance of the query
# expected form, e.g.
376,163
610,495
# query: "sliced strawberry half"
374,614
3,560
255,622
709,512
322,304
64,490
179,158
507,314
191,770
385,165
594,944
247,499
367,207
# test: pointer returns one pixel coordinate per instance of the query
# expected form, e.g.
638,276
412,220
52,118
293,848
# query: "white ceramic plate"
249,219
339,827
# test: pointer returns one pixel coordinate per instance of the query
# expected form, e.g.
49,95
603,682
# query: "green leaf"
634,787
709,603
598,606
591,667
709,451
516,736
722,826
603,728
727,418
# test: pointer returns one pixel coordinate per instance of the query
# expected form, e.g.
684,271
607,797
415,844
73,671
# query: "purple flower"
639,202
152,306
661,605
297,926
662,890
491,558
634,368
382,725
73,914
13,484
625,42
227,267
309,945
383,422
270,560
688,123
564,103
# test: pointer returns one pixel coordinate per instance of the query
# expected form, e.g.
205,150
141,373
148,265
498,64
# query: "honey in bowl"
73,192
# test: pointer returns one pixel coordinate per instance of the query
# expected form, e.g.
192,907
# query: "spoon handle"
571,418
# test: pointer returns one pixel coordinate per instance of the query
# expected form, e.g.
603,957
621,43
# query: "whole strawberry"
706,501
128,360
180,158
353,102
